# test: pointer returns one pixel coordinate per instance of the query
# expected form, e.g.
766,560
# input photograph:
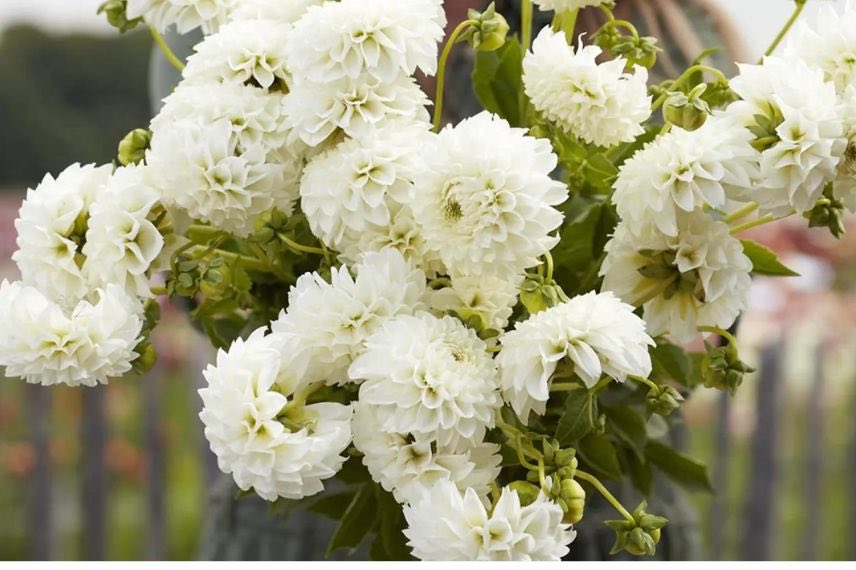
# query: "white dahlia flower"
352,107
121,242
186,15
808,142
360,185
430,377
829,44
567,5
258,427
684,171
599,103
698,278
51,227
489,298
595,334
334,319
252,52
382,38
204,168
279,11
485,197
406,466
444,524
46,344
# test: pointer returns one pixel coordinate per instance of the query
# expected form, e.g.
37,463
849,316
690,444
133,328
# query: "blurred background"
123,472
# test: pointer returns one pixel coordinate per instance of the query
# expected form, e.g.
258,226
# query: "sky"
760,19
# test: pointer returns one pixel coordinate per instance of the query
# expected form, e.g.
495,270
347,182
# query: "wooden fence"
757,518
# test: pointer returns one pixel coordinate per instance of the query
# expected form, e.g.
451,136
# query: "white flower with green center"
406,466
258,425
593,335
122,243
360,184
52,226
384,39
446,524
251,52
601,103
428,376
488,299
47,344
485,197
334,319
185,15
683,171
351,107
698,278
567,5
795,117
829,43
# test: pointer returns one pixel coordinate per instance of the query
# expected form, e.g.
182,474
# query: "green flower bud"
688,111
640,536
664,401
132,148
489,31
527,492
537,296
117,16
147,359
216,279
567,458
574,497
640,543
722,368
827,213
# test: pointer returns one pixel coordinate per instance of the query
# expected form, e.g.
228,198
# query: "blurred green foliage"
66,99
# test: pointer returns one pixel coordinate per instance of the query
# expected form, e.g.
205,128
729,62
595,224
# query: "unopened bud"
827,213
132,148
664,400
688,111
574,497
489,31
722,368
117,16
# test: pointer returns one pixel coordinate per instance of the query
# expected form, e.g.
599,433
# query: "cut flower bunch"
469,327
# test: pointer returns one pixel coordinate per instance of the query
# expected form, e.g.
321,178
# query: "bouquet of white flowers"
470,326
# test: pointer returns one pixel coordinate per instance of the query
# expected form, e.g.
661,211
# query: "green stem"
683,77
769,218
566,22
165,49
203,232
441,70
740,213
800,4
526,24
644,381
548,259
247,262
605,492
564,387
299,247
721,332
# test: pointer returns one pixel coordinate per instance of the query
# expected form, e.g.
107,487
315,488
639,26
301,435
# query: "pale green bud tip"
489,31
116,13
688,111
132,148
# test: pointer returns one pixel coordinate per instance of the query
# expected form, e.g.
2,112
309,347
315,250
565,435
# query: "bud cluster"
640,536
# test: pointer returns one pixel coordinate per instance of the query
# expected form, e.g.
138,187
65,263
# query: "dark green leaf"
599,453
764,261
641,474
497,81
670,362
628,426
575,422
390,542
333,506
359,519
680,468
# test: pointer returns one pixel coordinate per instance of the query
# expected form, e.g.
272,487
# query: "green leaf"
497,81
333,506
390,542
682,469
628,426
671,362
359,519
598,452
641,474
764,261
575,422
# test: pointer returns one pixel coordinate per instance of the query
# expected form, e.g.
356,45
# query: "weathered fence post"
41,529
94,473
814,459
721,454
763,470
155,464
